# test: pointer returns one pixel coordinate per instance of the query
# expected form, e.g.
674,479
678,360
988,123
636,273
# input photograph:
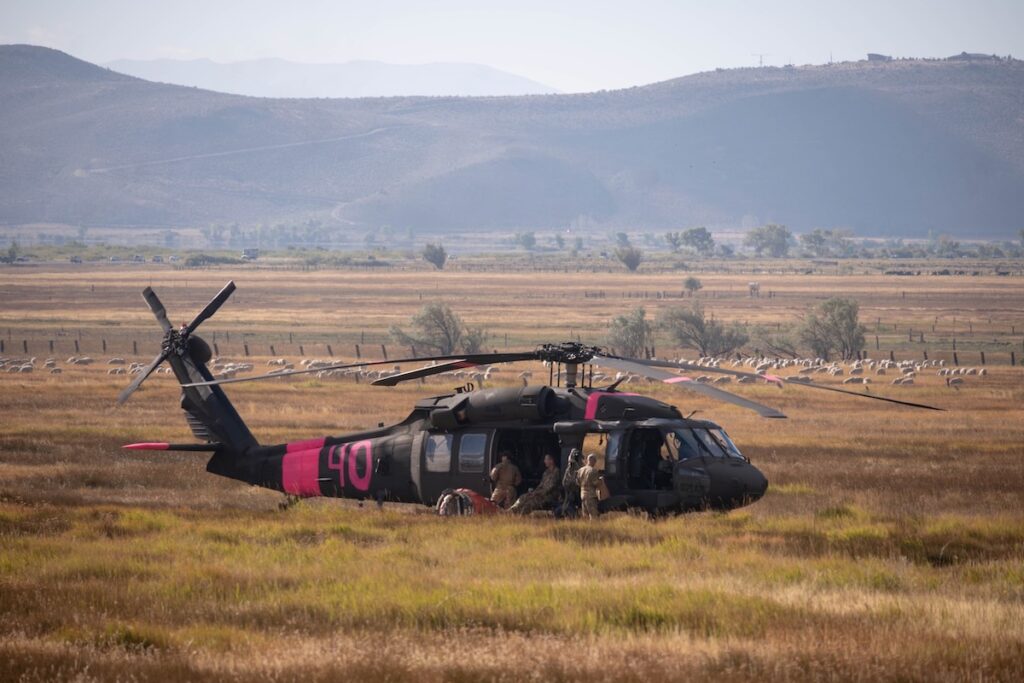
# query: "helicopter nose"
757,483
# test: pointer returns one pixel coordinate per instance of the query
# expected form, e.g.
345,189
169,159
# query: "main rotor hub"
569,353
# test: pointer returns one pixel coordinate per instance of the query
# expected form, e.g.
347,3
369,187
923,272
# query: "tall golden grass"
890,545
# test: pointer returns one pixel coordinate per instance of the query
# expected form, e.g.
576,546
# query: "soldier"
546,493
570,488
589,479
506,477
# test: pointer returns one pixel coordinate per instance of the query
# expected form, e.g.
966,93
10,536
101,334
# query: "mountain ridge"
280,78
902,148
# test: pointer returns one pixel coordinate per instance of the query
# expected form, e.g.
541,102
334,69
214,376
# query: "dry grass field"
890,545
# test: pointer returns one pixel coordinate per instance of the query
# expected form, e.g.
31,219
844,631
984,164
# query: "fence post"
892,356
302,352
926,354
135,347
1,345
876,343
245,347
329,351
359,356
104,343
51,346
272,351
1013,356
384,351
216,351
412,350
24,345
76,346
982,357
956,361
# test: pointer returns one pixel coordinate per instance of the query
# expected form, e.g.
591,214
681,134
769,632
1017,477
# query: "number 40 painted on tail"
338,455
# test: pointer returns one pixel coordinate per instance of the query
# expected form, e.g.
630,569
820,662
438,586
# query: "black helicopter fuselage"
652,457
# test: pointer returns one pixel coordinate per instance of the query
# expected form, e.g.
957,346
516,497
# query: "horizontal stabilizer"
161,446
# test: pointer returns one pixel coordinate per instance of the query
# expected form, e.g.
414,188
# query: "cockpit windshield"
682,444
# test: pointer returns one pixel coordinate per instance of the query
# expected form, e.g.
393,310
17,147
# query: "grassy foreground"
322,589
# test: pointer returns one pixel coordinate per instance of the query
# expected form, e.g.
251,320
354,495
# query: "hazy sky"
570,45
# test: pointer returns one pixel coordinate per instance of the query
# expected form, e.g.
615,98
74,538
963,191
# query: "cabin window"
606,446
438,453
472,448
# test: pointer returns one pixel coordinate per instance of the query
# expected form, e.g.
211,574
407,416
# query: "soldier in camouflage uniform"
545,495
571,489
588,479
506,477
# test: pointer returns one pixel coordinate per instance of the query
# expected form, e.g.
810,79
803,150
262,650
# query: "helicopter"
653,457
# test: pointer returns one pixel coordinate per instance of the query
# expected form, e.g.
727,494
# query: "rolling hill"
901,148
281,78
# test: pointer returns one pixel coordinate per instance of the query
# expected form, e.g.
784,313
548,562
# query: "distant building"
875,57
250,254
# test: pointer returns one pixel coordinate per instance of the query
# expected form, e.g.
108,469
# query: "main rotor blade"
686,383
473,359
211,308
155,305
862,395
448,366
693,367
778,380
123,396
469,359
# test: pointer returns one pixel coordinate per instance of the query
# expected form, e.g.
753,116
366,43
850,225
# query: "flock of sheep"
853,372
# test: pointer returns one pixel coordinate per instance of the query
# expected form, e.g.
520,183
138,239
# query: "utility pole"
760,57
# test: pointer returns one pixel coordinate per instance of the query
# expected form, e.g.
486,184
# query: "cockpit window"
727,443
710,444
680,444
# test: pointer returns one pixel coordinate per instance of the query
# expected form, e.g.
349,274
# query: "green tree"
622,239
692,285
436,255
674,240
700,240
630,334
815,242
834,329
691,328
12,253
631,257
437,329
771,239
527,240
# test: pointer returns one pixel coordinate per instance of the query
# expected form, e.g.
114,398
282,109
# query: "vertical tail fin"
209,413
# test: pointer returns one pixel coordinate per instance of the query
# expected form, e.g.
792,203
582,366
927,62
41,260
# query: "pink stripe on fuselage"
307,445
595,397
300,472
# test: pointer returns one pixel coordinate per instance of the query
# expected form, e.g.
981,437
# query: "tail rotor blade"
211,307
155,305
123,396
